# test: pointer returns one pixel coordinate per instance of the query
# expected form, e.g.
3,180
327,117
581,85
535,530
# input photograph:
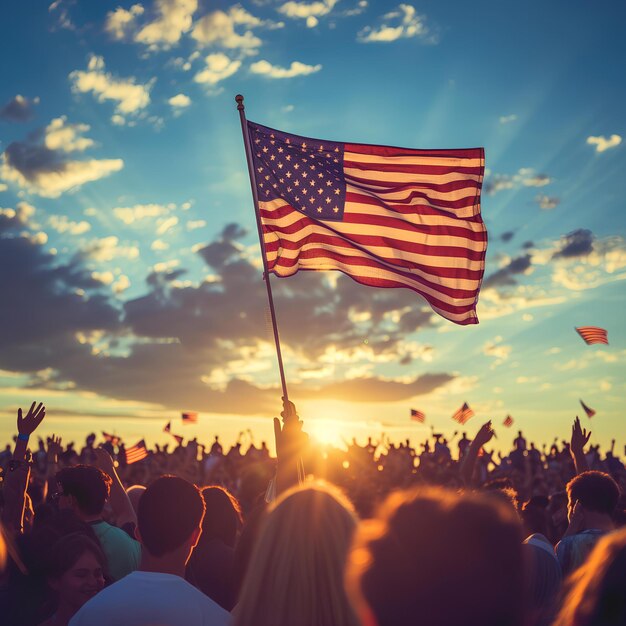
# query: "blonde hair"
296,570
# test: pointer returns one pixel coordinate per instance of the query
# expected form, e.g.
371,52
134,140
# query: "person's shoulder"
208,606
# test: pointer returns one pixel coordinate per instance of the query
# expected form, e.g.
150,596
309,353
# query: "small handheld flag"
113,439
136,453
593,334
417,416
508,421
190,417
463,414
168,427
588,410
179,438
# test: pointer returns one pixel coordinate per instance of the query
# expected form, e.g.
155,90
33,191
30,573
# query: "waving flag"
179,439
588,410
168,427
386,217
113,439
417,416
463,414
508,421
593,334
136,453
190,417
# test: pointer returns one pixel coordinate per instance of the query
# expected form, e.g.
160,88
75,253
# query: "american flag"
417,416
168,427
508,421
113,439
588,410
190,417
463,414
179,438
386,217
136,453
593,334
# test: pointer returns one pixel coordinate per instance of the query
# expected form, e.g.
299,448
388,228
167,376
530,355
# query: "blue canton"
306,173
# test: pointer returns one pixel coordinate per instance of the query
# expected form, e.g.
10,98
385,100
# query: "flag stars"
312,183
289,175
319,209
288,157
312,199
337,192
329,183
304,174
305,191
281,150
327,200
297,183
265,149
296,166
272,157
320,190
304,145
336,209
320,175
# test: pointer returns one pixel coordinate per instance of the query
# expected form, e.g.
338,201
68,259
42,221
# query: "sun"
327,432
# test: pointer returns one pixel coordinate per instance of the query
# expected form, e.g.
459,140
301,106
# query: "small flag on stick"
179,438
113,439
463,414
508,421
168,427
588,410
190,417
136,453
593,334
417,416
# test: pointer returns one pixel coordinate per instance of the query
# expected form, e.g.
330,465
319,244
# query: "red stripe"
461,153
422,168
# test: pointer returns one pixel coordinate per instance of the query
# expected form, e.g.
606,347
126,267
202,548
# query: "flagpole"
266,276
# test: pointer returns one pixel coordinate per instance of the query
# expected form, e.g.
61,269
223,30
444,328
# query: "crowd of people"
446,533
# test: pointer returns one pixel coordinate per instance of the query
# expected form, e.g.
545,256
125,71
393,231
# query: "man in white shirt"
169,525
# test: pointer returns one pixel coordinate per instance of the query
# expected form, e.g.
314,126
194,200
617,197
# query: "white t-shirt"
151,599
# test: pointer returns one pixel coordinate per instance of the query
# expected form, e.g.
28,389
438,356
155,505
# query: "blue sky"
130,265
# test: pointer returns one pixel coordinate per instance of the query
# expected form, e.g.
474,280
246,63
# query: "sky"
130,270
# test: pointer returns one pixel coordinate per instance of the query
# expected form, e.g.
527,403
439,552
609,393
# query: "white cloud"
159,244
121,284
165,224
62,224
547,202
272,71
507,119
129,96
218,28
308,11
180,100
59,135
120,23
174,19
402,23
194,224
497,350
218,67
106,278
129,215
3,187
525,177
107,249
534,180
602,143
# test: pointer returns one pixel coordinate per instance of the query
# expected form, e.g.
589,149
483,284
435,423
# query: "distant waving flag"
593,334
168,427
386,217
508,421
179,438
190,417
113,439
588,410
417,416
463,414
136,453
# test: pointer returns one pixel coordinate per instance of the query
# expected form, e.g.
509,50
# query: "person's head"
169,517
295,574
435,557
596,492
75,570
543,579
83,488
223,519
596,592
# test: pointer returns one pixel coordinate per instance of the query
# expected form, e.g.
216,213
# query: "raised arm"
579,440
118,498
290,446
483,436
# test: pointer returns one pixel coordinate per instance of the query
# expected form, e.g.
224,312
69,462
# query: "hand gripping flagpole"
266,276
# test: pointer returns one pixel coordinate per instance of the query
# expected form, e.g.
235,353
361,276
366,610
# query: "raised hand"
27,424
484,434
54,448
580,436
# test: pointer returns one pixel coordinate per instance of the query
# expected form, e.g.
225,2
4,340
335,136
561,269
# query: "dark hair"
429,545
67,550
89,486
596,491
597,590
223,515
169,510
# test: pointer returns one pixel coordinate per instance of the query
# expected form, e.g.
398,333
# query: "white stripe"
409,177
390,193
413,160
